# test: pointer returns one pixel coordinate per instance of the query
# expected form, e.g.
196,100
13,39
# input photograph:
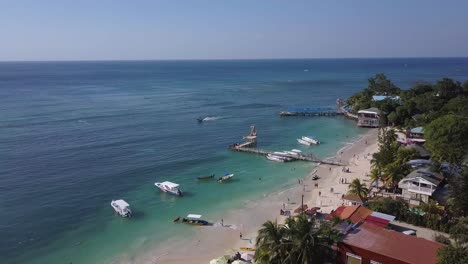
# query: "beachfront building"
419,185
352,199
369,117
359,214
372,244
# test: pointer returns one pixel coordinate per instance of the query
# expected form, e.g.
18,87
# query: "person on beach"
240,235
288,199
320,193
222,222
284,206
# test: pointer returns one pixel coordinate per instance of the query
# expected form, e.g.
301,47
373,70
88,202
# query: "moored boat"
275,158
122,208
293,153
169,187
303,142
194,219
206,177
311,140
226,177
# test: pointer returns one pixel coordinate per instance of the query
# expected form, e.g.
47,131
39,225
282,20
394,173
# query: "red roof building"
370,244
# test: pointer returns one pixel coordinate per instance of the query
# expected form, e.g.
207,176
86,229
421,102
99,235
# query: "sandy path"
214,241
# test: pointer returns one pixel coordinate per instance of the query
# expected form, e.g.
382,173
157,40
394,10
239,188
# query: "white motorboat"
169,187
303,142
226,177
275,158
311,140
292,153
296,151
122,208
280,153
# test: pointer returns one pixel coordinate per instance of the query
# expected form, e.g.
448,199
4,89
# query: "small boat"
169,187
200,119
280,153
303,142
296,151
292,153
122,208
226,177
206,177
275,158
311,140
194,219
315,177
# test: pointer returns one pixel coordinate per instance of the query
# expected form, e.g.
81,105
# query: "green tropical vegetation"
456,252
389,164
300,240
358,188
447,138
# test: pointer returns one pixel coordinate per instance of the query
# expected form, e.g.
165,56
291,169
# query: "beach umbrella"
247,256
220,260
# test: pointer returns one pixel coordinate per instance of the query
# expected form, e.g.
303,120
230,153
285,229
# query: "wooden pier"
308,157
250,143
317,111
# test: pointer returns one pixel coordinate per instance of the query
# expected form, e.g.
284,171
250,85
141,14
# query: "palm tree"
358,188
395,172
375,176
298,241
309,241
269,243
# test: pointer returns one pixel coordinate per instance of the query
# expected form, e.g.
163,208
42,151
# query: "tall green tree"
458,190
358,188
300,240
448,89
447,138
457,252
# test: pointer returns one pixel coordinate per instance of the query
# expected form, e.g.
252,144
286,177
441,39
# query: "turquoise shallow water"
75,135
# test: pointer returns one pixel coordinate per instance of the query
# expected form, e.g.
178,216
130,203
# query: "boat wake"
211,118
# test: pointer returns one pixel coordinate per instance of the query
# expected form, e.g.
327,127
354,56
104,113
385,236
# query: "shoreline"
217,240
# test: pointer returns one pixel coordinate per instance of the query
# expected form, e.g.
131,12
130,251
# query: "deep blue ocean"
75,135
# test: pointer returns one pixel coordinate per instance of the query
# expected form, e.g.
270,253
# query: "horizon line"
240,59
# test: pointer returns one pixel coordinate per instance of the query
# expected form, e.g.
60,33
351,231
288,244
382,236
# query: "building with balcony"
369,117
419,185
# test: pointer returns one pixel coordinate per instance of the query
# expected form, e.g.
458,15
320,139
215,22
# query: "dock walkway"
311,111
309,157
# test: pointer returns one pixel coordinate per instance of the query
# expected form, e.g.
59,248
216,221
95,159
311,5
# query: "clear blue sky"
231,29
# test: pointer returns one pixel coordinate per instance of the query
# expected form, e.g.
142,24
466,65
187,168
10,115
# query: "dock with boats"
302,157
250,143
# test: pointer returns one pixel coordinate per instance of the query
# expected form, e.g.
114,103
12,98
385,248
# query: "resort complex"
397,195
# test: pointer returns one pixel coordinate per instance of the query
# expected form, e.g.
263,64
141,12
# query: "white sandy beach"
214,241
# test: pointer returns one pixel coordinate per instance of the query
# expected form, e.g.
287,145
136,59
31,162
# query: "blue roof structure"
418,130
383,97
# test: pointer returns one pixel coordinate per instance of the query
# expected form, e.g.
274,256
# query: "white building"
369,117
419,185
